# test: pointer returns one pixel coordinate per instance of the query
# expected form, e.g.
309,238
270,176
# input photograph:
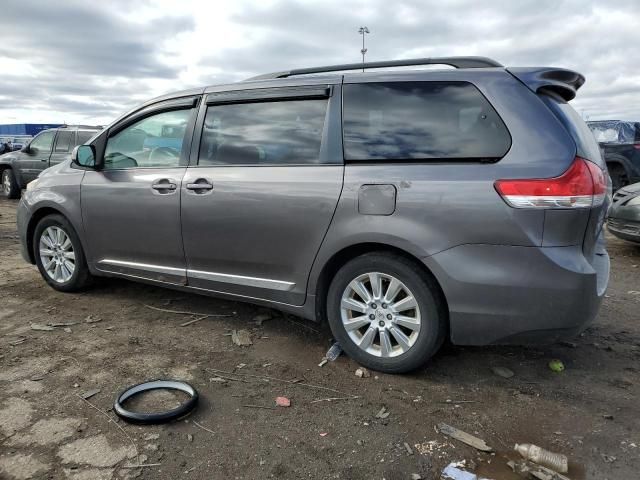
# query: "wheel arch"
339,258
33,222
620,160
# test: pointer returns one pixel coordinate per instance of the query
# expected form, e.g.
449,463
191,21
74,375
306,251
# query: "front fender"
57,191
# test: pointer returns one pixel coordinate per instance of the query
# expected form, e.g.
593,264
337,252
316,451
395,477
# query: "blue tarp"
614,131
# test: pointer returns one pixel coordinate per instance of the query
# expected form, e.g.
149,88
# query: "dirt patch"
21,467
15,415
48,431
95,451
90,474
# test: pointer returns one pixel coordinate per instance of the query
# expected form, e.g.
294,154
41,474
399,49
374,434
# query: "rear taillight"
636,146
583,185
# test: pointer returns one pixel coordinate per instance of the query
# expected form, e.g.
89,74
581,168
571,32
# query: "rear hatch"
556,87
587,148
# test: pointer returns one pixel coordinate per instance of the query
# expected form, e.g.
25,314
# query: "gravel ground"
589,412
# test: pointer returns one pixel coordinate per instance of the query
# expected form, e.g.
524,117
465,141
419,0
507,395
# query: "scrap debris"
503,372
555,461
90,393
242,338
464,437
283,402
523,467
261,318
455,471
362,373
556,365
334,352
383,413
43,328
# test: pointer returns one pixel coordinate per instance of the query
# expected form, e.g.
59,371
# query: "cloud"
89,62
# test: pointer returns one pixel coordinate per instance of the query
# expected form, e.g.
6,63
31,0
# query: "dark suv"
401,207
620,145
47,148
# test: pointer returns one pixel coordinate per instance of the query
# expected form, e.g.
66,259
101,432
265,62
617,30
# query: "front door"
131,207
31,163
261,191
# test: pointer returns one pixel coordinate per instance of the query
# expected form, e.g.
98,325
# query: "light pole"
362,31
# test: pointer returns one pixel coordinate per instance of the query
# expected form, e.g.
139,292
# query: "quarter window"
42,142
64,141
155,141
275,133
421,120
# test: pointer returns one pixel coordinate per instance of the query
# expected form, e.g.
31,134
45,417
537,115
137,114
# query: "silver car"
401,207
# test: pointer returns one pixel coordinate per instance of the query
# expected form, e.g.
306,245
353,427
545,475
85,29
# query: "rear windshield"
586,144
421,120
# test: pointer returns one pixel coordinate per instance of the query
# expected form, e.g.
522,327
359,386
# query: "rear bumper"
515,295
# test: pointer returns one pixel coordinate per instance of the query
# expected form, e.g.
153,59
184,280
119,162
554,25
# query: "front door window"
153,142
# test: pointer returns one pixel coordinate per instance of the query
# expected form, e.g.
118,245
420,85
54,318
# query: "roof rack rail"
457,62
80,127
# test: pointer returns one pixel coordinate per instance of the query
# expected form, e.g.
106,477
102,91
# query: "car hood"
7,157
633,188
64,165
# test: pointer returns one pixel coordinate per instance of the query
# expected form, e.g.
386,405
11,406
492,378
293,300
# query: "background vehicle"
401,207
623,218
620,145
48,148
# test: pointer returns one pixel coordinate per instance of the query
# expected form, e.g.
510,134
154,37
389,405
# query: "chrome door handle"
200,185
164,184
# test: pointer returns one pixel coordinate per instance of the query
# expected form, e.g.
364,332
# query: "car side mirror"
25,149
84,156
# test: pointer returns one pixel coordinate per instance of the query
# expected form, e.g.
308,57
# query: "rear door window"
421,121
287,132
64,140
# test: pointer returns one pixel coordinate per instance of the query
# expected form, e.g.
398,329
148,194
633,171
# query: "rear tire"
9,184
386,313
618,176
59,255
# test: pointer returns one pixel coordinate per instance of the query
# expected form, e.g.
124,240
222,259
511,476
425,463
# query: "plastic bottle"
555,461
334,352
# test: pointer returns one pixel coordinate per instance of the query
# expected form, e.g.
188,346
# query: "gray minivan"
402,207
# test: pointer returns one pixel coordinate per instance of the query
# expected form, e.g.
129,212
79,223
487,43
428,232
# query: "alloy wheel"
6,182
56,254
380,314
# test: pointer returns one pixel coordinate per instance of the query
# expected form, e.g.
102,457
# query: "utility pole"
363,31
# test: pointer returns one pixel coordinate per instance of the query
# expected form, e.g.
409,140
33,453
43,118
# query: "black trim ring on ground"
160,417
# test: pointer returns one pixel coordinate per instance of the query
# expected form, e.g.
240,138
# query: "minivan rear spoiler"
548,79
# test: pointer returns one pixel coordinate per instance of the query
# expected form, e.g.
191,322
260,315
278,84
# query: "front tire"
59,255
10,188
386,313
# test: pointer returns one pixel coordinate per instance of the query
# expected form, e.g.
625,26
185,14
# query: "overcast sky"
89,61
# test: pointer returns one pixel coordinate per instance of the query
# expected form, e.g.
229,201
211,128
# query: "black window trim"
429,160
180,103
306,92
